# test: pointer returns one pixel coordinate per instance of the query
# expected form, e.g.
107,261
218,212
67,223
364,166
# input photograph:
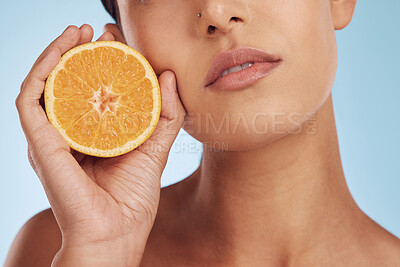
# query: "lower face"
300,32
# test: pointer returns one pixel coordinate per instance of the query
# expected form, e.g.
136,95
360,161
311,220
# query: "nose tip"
220,17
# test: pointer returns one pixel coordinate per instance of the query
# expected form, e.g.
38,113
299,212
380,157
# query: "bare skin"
276,199
256,217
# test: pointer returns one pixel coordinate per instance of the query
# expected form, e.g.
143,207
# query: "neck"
283,198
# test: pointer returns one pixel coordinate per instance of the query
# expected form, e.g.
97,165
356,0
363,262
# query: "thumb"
170,122
171,108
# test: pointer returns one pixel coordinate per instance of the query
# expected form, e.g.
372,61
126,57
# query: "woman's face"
299,32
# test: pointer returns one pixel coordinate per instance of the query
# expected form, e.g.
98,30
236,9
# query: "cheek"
163,39
313,56
150,40
172,46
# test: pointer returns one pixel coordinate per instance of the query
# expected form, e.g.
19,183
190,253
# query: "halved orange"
104,98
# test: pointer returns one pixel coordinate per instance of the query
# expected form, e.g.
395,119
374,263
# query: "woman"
270,190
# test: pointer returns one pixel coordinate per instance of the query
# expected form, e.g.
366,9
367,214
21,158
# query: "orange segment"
130,73
109,134
138,97
69,110
104,98
108,62
83,66
133,123
84,130
66,85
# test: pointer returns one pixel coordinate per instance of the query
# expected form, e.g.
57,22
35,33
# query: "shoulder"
378,246
36,243
388,250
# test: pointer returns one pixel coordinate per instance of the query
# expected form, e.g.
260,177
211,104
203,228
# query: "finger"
49,153
68,39
61,177
31,113
59,172
171,108
107,36
170,122
86,34
71,33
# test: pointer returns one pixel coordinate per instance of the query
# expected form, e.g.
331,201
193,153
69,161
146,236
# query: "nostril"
211,29
236,19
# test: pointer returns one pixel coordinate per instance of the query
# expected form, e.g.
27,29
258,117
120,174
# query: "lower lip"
244,78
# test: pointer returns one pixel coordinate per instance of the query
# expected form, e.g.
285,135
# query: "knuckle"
18,102
31,159
50,49
23,84
21,101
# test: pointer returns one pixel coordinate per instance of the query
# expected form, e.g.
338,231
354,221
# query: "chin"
244,137
258,116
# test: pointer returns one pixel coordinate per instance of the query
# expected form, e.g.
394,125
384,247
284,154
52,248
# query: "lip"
264,64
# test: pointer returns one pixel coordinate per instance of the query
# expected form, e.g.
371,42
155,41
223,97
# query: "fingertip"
107,36
86,34
71,35
106,27
87,28
71,30
167,80
169,96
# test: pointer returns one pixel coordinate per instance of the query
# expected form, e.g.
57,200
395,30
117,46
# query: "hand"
105,208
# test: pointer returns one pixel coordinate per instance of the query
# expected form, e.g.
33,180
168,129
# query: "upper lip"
232,58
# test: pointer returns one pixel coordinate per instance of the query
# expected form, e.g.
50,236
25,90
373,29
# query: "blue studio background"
366,98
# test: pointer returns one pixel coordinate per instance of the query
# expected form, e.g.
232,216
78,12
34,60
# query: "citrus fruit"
104,98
